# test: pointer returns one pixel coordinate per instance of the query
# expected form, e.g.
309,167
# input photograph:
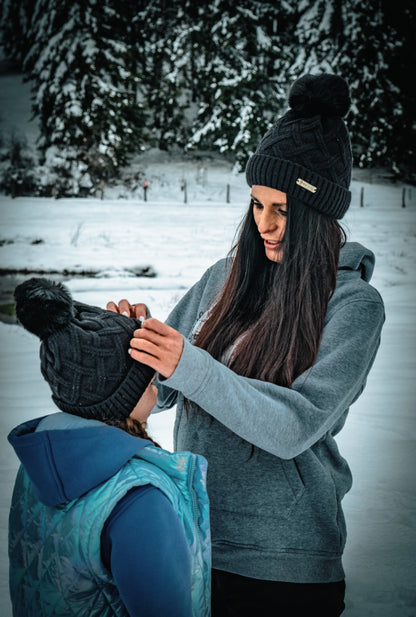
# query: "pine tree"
84,95
240,86
15,19
401,58
358,41
112,78
17,167
162,42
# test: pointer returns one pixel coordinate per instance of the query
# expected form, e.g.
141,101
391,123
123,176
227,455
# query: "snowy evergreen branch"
110,78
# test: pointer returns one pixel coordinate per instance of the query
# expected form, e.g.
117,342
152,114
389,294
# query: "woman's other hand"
157,345
130,310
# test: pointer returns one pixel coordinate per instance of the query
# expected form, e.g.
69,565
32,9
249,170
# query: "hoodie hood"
66,456
355,256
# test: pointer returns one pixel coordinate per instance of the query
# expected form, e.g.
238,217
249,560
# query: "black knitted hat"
307,152
84,351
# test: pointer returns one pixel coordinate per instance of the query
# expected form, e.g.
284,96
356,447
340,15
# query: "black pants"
238,596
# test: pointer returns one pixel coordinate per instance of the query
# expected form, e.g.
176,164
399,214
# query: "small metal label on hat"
306,185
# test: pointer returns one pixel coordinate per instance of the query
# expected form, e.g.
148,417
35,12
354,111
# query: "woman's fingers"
125,308
158,327
158,346
139,310
130,310
112,306
148,360
151,341
165,338
146,346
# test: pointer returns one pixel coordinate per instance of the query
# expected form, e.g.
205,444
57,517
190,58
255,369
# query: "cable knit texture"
307,152
84,351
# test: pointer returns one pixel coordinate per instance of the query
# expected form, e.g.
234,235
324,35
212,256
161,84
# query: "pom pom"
43,307
326,95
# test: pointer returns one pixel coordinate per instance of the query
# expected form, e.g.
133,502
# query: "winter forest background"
179,92
113,79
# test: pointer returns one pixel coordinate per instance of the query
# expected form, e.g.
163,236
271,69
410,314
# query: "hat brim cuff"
300,183
123,400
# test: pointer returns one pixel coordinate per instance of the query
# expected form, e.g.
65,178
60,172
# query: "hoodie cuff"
191,372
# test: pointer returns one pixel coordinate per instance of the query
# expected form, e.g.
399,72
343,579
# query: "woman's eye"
256,204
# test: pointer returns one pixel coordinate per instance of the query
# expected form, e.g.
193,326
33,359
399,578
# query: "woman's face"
145,405
270,211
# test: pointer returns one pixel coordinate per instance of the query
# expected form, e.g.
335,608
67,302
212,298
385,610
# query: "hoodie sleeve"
186,313
288,421
144,547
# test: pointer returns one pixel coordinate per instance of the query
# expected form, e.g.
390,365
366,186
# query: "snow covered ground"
179,241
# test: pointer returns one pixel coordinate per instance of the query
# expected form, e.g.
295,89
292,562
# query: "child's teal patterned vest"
55,563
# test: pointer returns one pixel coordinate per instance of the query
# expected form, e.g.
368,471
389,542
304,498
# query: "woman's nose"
267,222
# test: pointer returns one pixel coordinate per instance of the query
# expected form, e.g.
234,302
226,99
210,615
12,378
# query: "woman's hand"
130,310
157,345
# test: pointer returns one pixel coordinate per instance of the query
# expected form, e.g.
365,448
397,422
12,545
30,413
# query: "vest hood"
65,456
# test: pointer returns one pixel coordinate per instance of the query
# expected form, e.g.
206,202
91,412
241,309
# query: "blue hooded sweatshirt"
104,523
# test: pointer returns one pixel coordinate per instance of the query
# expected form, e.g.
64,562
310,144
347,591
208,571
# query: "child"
102,521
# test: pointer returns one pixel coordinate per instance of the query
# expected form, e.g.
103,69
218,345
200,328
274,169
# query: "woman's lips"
272,244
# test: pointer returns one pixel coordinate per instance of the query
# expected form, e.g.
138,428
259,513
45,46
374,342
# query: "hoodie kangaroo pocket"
294,480
263,485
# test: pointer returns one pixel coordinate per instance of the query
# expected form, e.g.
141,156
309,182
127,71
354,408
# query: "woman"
264,356
102,522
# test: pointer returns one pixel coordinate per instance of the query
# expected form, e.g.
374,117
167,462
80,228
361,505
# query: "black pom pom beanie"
307,152
84,351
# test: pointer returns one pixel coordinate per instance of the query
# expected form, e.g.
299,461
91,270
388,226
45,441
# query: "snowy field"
180,241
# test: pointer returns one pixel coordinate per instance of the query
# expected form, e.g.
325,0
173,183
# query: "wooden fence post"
185,194
55,190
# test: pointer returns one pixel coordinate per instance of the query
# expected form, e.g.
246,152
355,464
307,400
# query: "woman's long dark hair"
277,308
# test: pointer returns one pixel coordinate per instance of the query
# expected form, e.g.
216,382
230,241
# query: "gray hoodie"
276,507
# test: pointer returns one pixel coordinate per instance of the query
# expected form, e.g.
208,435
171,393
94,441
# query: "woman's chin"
274,254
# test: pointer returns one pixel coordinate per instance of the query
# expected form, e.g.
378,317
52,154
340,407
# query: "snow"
122,233
179,241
